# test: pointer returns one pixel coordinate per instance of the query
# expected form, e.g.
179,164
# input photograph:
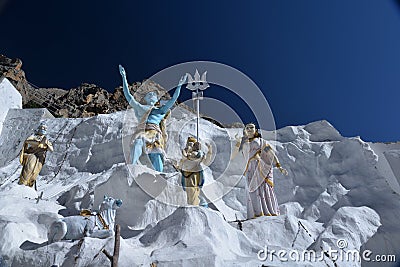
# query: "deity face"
189,146
193,150
250,130
193,155
42,130
151,98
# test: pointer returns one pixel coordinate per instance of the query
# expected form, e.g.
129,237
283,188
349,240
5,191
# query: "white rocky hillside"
337,188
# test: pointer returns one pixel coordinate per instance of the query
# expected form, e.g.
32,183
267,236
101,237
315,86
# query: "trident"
197,86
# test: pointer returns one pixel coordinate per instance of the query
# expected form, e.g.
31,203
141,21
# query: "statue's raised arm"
138,108
152,137
175,96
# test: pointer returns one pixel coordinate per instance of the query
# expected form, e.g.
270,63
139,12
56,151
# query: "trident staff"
197,85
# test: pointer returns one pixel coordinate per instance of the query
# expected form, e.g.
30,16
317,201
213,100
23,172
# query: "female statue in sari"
261,159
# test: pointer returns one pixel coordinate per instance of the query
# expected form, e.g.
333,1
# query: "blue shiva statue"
151,134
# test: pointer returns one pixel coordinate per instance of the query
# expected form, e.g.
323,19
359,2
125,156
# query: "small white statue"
98,225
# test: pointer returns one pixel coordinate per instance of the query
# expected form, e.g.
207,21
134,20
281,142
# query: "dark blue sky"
337,60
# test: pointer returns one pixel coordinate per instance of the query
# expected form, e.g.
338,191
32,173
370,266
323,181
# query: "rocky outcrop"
86,100
11,69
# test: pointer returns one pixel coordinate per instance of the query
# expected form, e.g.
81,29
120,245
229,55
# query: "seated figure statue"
150,135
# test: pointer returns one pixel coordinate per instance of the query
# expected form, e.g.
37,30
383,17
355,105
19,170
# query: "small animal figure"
92,224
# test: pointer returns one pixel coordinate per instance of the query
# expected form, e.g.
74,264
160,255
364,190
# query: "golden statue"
192,164
33,155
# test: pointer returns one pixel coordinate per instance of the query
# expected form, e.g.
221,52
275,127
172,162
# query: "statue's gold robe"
32,158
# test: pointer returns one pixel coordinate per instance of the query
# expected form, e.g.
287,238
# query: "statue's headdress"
196,146
245,138
42,129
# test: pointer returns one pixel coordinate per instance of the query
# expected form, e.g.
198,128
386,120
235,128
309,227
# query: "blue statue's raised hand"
122,71
182,80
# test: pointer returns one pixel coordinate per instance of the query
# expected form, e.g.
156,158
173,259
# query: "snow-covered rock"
23,218
198,236
291,208
10,98
286,231
347,224
337,187
322,131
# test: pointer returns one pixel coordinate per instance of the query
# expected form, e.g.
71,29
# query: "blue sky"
334,60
